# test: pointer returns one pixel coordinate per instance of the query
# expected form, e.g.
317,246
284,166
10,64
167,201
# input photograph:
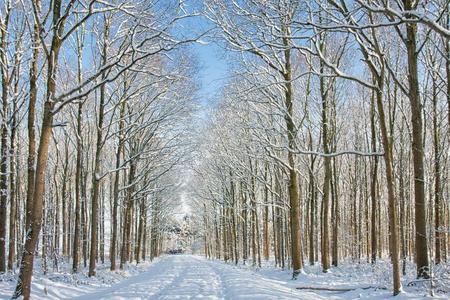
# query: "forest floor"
194,277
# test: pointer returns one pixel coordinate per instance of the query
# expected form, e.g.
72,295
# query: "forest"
325,145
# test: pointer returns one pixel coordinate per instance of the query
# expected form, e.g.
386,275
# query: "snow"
364,281
194,277
65,285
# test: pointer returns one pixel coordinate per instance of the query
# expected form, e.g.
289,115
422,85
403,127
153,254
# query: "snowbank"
63,284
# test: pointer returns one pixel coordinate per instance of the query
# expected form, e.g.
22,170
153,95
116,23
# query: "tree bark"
140,233
23,287
78,168
324,89
417,148
77,230
12,178
373,183
294,194
266,242
127,217
4,135
31,171
112,255
98,153
387,146
437,176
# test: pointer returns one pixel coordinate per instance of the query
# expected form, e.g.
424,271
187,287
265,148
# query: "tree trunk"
417,149
31,124
140,232
266,242
437,176
312,205
324,89
373,183
84,216
98,153
23,287
294,195
12,177
77,233
387,146
64,198
112,254
4,137
336,218
244,224
127,217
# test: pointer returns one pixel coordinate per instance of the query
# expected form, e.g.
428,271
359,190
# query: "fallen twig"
336,289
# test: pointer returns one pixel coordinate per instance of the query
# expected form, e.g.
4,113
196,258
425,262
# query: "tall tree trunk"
31,123
4,134
244,224
65,198
84,216
437,176
77,229
78,167
128,216
112,254
23,287
55,215
312,214
324,92
403,198
266,242
102,226
145,237
447,68
294,193
98,153
388,158
140,232
373,182
336,218
417,148
12,170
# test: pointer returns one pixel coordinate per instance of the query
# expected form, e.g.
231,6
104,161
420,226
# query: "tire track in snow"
192,277
244,284
143,286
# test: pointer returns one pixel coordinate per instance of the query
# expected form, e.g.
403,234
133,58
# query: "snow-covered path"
193,277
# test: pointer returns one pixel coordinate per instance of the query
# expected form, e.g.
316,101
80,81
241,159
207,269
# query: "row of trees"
95,99
332,139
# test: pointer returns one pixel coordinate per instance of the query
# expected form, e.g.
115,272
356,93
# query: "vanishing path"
193,277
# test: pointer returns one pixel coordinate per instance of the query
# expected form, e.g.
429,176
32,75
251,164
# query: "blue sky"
213,68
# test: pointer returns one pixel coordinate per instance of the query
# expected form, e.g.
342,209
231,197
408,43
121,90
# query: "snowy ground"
65,285
194,277
364,281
